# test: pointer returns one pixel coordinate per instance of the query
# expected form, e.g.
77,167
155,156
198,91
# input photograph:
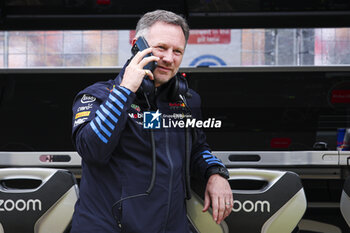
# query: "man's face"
168,43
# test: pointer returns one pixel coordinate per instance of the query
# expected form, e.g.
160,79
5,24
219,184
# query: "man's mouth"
163,68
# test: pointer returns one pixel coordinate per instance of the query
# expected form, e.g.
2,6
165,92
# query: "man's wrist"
222,171
128,87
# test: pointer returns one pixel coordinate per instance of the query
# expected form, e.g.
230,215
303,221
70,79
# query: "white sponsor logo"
20,205
84,108
87,99
79,121
249,206
193,123
136,115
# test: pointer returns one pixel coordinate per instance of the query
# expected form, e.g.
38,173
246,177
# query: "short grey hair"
150,18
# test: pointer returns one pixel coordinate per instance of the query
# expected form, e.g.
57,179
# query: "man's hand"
134,72
218,193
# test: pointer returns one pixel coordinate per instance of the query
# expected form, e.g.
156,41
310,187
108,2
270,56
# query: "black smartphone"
140,45
147,85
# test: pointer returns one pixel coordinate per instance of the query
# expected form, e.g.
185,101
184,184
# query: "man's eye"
177,52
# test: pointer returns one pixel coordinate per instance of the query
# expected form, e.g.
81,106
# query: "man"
116,150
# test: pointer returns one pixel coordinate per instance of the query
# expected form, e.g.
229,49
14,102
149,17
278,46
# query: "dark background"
258,110
121,14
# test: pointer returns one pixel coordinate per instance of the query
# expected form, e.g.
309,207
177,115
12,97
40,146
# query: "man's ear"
133,42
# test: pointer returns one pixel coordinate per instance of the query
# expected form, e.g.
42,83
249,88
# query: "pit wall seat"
36,200
265,201
345,201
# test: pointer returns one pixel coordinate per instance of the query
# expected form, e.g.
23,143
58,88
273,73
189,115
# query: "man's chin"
159,80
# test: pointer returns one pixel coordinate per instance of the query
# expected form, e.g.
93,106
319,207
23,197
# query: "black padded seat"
36,200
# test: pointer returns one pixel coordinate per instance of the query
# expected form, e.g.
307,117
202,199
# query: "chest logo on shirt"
136,117
177,105
136,107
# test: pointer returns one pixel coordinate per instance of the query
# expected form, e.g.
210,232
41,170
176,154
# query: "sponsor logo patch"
136,107
82,114
135,115
176,105
88,99
79,121
84,108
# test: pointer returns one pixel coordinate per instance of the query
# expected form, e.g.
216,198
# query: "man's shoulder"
99,90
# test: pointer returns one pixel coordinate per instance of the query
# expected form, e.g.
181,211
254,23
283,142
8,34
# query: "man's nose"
168,56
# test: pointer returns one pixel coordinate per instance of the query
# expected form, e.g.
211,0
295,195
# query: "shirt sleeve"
98,121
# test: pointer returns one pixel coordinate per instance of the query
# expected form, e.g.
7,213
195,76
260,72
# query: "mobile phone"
147,85
140,45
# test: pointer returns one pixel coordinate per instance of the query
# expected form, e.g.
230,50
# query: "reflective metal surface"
278,158
229,158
